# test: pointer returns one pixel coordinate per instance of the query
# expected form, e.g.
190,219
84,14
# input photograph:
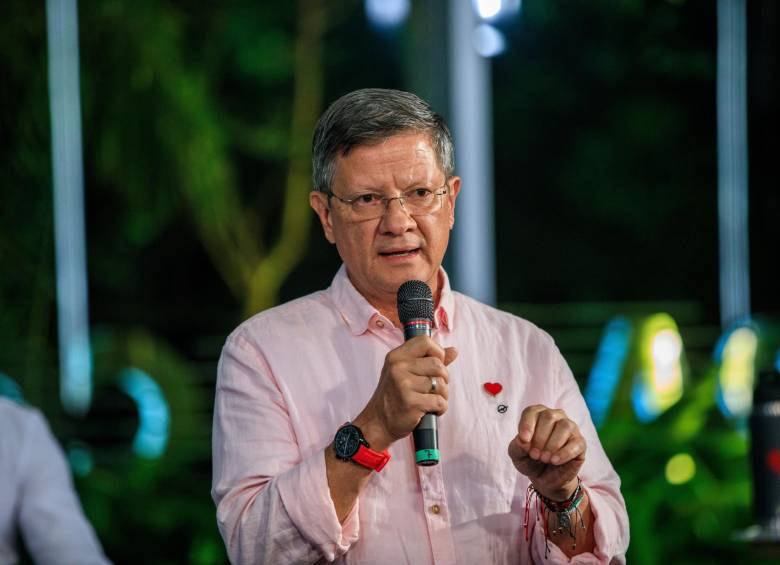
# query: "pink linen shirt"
291,375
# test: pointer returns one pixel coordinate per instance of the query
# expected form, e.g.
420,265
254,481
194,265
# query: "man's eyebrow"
416,184
363,188
420,184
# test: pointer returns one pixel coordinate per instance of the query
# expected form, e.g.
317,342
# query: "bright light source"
496,9
68,180
387,13
736,353
659,383
153,413
488,41
487,8
680,469
666,348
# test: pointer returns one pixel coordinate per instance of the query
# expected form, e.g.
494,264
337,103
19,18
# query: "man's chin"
399,276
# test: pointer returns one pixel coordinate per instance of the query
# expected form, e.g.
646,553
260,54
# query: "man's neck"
387,305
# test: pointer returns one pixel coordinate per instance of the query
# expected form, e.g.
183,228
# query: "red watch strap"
367,457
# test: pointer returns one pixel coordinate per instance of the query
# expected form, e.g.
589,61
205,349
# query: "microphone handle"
426,434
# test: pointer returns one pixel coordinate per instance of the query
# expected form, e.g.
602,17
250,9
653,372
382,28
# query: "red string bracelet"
563,511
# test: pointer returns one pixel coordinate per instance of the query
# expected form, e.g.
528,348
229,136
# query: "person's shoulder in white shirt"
37,497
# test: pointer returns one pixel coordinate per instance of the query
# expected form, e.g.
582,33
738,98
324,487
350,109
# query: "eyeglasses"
415,202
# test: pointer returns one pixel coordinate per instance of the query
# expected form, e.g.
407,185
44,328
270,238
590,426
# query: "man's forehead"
408,155
421,141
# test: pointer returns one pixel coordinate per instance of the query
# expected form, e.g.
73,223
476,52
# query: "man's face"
383,253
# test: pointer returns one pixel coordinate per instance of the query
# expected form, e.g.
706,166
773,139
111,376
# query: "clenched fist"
548,449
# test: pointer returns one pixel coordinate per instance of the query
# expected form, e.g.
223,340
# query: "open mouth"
401,253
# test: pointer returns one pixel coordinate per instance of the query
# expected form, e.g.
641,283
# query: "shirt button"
435,509
380,324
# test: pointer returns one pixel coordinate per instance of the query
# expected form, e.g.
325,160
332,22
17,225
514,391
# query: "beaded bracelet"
563,505
563,511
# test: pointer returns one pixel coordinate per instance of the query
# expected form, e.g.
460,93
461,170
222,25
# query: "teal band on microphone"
427,457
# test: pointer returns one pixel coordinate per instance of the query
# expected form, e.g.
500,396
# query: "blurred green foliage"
197,120
692,522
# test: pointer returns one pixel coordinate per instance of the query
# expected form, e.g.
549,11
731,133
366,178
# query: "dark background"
196,124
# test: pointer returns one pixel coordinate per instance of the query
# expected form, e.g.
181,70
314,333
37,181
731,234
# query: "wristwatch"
350,445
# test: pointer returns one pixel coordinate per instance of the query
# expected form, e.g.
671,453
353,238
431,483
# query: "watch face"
347,442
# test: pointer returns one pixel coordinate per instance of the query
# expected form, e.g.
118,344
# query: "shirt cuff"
607,530
306,497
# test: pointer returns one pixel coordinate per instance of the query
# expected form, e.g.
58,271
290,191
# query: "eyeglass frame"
443,190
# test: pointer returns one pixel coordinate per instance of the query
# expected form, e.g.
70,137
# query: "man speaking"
317,399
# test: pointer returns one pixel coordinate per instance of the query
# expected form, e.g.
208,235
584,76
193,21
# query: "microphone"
415,311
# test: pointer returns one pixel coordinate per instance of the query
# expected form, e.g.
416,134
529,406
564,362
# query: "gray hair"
368,116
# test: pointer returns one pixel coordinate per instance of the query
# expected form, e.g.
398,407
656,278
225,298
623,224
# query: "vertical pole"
733,162
471,106
69,233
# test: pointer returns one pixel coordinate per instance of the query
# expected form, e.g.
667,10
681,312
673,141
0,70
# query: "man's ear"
452,195
319,203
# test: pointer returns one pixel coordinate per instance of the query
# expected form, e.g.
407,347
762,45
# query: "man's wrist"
558,494
373,432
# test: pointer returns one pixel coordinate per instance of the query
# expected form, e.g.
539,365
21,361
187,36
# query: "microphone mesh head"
415,302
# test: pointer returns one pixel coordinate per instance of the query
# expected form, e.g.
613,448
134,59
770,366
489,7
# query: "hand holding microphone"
415,311
405,393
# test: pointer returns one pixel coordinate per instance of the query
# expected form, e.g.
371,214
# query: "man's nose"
396,219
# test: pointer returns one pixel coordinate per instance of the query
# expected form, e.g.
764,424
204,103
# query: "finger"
527,425
518,449
574,449
450,354
431,403
429,367
443,390
522,460
420,346
545,422
563,430
422,385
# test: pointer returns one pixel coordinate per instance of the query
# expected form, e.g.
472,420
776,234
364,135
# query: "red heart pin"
773,460
493,388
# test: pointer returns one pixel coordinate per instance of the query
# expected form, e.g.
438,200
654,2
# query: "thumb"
450,354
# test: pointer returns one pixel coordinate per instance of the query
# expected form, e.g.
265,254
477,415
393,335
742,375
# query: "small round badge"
502,408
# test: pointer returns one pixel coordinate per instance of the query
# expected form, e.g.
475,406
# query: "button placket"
432,485
436,514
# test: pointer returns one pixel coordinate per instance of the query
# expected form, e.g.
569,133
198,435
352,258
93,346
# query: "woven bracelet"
563,505
563,511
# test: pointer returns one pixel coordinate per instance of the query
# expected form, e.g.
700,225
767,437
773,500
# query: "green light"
737,372
680,469
659,382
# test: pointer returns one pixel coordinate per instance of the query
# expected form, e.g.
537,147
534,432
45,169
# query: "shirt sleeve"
51,520
273,506
599,479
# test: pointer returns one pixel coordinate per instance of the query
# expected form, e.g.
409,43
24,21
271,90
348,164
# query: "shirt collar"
357,312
